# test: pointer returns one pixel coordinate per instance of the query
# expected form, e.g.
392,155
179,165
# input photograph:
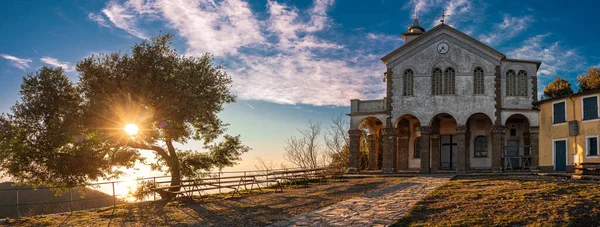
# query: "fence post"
71,200
154,191
114,196
18,215
219,181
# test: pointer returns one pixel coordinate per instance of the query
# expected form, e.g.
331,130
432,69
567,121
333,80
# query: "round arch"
371,124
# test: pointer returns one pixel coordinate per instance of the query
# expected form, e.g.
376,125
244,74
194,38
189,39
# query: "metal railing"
93,195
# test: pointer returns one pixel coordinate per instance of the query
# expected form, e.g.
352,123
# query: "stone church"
453,103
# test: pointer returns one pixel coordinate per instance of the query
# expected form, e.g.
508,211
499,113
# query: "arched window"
511,83
417,150
436,83
478,81
408,83
522,83
449,81
481,146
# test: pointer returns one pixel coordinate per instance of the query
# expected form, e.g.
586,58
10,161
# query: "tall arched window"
408,83
436,83
478,81
511,83
449,81
481,146
522,83
417,148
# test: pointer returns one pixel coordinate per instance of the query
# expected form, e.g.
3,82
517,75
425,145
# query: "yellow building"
569,130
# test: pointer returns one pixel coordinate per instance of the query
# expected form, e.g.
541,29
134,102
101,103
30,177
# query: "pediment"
442,32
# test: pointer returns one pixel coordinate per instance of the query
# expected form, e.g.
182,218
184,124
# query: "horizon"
265,45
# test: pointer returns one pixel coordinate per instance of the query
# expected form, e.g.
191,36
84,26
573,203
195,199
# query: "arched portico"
371,126
407,129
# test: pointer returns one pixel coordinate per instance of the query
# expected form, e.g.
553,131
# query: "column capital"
425,129
498,129
461,129
402,134
389,132
534,130
355,133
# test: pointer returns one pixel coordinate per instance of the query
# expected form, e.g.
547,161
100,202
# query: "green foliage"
557,88
589,81
65,134
42,141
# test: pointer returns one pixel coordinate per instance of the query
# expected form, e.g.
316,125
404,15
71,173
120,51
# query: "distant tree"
305,151
558,87
337,142
170,97
590,80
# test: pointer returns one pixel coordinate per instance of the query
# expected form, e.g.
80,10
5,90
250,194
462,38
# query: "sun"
131,129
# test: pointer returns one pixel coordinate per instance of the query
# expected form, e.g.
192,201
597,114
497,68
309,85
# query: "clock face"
443,48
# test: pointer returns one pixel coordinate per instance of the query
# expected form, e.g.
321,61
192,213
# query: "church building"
453,103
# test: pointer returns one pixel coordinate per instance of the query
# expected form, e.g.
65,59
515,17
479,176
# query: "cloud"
281,57
123,18
20,63
507,29
99,19
217,27
555,57
419,7
56,63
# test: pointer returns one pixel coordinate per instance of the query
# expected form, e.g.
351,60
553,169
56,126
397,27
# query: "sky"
291,61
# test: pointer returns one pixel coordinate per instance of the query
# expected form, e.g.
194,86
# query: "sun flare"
131,129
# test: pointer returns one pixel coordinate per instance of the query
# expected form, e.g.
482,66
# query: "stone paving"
380,208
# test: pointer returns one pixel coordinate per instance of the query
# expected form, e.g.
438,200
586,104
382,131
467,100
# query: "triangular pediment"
443,31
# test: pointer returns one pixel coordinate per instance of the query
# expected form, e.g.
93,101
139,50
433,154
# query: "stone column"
389,150
468,150
435,152
353,165
402,151
461,148
425,137
497,144
372,140
534,133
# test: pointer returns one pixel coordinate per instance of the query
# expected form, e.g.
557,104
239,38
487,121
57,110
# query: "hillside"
44,201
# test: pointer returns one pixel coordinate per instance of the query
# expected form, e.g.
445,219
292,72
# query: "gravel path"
380,208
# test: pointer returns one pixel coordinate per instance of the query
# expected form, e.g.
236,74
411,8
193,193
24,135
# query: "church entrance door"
447,152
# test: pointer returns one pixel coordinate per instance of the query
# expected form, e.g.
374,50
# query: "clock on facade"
443,48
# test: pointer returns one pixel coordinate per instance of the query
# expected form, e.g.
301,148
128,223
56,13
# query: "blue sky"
291,61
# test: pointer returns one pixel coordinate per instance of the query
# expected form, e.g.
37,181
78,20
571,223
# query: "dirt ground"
521,200
254,209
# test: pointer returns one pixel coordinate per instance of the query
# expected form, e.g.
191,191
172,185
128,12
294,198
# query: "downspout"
575,144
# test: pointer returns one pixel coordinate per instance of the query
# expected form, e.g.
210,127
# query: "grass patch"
508,201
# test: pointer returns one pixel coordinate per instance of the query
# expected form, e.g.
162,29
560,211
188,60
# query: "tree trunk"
173,163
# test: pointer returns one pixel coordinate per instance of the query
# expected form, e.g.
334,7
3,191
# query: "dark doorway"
512,151
447,152
560,155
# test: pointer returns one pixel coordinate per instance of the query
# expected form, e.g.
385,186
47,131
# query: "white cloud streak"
99,19
68,67
507,29
555,57
123,18
21,63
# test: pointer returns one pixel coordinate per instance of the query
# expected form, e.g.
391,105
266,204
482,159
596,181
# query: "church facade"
452,104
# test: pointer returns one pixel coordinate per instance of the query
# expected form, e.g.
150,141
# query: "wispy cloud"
68,67
554,56
99,19
252,107
21,63
123,18
281,58
510,27
419,7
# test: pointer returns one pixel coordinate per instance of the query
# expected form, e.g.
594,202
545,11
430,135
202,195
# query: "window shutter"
559,112
590,108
